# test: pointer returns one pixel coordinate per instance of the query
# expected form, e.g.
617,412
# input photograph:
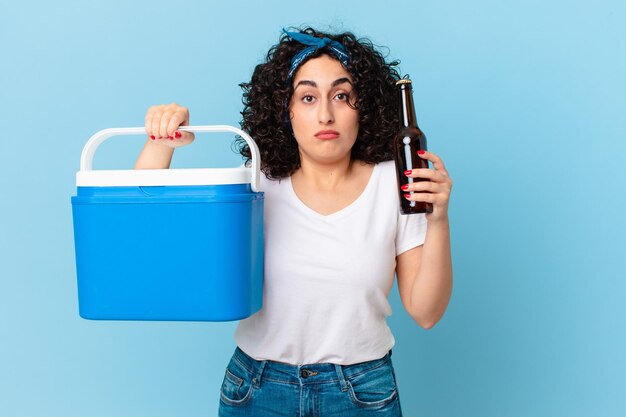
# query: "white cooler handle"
86,158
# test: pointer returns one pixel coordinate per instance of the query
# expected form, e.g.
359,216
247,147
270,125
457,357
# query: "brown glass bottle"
409,140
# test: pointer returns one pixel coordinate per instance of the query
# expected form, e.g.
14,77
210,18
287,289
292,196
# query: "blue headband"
338,50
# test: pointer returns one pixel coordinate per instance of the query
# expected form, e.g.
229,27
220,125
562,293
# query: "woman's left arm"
425,272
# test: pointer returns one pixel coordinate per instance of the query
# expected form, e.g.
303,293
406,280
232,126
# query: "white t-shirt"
327,278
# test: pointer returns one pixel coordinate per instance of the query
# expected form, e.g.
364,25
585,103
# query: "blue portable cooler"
168,244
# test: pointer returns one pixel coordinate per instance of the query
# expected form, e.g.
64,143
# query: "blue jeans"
267,388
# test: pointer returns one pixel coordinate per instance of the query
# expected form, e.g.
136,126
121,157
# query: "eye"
308,98
342,97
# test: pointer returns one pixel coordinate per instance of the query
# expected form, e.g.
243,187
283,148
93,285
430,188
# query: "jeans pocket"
374,388
237,385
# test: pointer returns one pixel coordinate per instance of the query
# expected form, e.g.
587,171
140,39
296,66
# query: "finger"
148,121
422,186
156,121
165,120
427,187
180,118
424,197
436,160
427,173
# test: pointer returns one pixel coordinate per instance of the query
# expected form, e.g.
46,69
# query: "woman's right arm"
162,122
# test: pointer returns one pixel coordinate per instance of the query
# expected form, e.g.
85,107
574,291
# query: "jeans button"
304,373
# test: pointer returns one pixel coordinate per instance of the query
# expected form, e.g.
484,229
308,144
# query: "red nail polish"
177,134
408,172
152,137
421,152
170,137
405,187
407,195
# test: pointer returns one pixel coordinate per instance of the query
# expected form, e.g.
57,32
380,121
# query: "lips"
327,134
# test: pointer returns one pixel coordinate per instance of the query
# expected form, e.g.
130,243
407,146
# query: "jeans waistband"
303,374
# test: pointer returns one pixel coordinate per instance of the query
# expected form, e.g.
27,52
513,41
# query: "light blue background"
525,102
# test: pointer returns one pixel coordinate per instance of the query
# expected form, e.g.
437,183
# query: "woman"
323,110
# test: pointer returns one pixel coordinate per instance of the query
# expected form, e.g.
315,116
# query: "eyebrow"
335,83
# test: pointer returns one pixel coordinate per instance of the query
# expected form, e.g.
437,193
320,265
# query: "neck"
324,176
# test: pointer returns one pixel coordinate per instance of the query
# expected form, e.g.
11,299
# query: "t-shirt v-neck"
341,212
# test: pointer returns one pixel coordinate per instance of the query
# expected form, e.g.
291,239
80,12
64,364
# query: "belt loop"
257,379
342,379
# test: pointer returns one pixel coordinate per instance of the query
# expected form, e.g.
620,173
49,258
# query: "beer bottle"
409,140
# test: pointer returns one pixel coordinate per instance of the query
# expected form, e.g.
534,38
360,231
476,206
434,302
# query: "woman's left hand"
435,191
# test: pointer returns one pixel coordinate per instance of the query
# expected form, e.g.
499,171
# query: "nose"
325,110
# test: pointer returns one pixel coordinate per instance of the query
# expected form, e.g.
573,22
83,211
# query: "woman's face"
324,124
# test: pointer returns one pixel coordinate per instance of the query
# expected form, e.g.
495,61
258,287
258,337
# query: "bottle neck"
407,109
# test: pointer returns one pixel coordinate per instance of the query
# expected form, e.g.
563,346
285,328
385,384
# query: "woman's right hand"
162,122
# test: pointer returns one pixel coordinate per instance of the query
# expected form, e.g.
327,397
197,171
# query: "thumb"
183,135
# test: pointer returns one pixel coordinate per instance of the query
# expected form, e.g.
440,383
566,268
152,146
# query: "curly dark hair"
266,104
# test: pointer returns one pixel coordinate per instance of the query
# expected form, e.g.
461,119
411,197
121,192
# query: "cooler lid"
152,177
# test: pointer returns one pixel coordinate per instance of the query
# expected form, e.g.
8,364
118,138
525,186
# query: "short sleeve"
411,231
